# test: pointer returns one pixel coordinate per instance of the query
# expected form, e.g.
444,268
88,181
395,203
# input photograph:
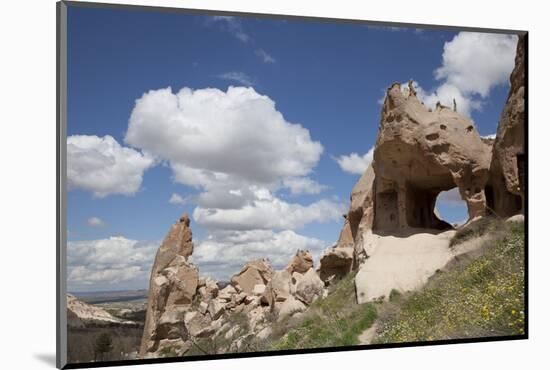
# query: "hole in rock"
432,136
451,208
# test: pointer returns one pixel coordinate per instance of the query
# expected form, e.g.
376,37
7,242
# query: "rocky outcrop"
301,262
308,287
506,190
172,286
253,273
336,263
420,153
341,259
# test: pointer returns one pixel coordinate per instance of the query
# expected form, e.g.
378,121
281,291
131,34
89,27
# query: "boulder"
226,293
172,286
516,219
177,347
278,288
259,289
196,324
264,333
310,287
183,280
336,263
203,307
290,307
253,273
215,308
208,289
301,262
256,316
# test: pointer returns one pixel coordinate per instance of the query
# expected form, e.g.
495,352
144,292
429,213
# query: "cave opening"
451,208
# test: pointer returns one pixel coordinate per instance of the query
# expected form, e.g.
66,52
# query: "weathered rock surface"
343,257
420,153
506,190
253,273
301,262
208,289
278,288
309,287
289,307
401,262
336,263
172,286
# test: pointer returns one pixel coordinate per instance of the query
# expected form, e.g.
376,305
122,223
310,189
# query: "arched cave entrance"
417,207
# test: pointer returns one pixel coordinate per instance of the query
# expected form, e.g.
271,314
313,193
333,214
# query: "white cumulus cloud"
475,62
491,136
303,185
269,212
354,163
104,167
227,144
209,135
472,64
107,263
451,198
224,253
177,199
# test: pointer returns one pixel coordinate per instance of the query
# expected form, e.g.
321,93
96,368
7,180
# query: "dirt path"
367,336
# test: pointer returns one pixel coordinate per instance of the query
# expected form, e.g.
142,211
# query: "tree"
103,345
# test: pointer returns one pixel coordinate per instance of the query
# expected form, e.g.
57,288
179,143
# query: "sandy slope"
401,262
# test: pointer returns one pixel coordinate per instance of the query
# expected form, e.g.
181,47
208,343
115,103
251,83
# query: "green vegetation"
103,345
479,295
474,230
168,351
336,320
219,343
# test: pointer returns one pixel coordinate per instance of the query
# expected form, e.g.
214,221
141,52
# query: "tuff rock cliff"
419,153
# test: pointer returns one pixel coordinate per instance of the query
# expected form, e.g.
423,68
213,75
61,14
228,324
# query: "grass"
336,320
478,296
473,230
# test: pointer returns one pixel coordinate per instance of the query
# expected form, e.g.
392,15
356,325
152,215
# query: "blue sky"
327,77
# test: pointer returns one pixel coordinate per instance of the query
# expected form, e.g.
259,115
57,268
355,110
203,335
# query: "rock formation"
172,286
301,262
418,154
253,273
343,258
183,309
505,193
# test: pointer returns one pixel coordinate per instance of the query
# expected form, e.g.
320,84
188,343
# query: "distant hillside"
82,314
110,296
